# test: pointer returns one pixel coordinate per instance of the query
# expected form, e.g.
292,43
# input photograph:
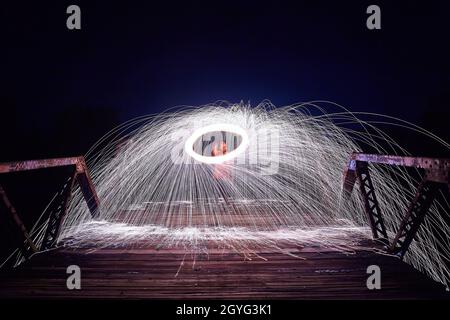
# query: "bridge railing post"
80,174
359,171
436,176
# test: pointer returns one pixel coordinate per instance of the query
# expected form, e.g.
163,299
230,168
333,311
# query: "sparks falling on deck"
237,202
222,274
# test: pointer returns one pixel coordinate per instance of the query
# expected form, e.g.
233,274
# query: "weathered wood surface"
222,274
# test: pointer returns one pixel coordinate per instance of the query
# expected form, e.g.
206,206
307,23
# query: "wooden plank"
222,274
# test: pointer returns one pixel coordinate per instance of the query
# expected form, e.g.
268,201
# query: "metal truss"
436,177
80,175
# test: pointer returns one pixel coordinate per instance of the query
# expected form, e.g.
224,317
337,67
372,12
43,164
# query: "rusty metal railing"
80,175
436,176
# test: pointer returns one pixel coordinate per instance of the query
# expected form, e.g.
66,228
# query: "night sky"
61,90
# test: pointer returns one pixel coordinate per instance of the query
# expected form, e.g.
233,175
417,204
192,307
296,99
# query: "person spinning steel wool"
220,170
219,150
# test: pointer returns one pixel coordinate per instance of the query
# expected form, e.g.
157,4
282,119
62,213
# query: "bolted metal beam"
17,166
87,186
58,212
437,168
404,161
371,205
415,215
349,177
359,171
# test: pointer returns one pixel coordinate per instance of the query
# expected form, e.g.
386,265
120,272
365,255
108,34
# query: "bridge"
296,272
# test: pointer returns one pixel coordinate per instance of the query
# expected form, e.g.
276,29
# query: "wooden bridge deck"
171,274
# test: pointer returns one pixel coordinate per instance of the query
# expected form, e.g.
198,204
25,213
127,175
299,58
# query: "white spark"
289,190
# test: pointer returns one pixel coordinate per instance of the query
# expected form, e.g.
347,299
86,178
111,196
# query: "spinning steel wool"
241,177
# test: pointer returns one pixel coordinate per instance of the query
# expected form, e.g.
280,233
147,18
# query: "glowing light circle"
189,144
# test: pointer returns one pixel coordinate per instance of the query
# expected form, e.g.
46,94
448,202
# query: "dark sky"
136,57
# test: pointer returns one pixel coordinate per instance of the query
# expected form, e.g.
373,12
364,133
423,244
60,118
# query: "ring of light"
189,144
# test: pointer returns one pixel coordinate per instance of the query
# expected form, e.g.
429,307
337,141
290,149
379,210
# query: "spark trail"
159,184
